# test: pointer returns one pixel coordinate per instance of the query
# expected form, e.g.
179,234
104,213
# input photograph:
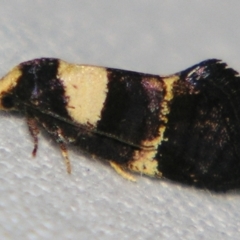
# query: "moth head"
7,85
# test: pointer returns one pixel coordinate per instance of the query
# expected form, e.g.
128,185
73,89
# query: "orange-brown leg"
121,171
34,131
64,152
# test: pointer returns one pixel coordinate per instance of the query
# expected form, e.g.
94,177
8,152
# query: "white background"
38,199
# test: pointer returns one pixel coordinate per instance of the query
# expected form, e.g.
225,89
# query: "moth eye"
7,101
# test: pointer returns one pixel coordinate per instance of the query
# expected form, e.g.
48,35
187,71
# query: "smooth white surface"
38,199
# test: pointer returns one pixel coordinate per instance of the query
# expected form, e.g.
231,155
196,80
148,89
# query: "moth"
184,127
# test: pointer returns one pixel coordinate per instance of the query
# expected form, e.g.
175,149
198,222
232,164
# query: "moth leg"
58,135
34,131
64,152
119,169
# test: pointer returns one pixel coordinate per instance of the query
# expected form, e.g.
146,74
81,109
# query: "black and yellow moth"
184,127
